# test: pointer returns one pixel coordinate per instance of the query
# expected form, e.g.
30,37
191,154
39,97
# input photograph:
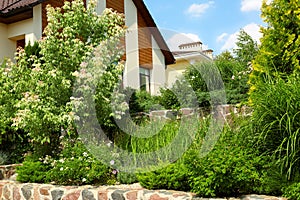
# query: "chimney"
194,46
209,53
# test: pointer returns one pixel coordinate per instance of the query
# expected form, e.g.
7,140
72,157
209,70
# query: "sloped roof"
8,6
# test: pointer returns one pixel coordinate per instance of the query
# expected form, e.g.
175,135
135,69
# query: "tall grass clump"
174,174
276,123
159,142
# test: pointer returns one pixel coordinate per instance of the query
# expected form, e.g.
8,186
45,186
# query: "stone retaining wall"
8,171
10,190
223,110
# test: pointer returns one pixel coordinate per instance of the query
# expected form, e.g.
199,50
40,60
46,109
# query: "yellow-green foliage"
279,52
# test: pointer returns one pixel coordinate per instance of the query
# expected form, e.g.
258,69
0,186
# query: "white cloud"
254,31
183,38
197,10
221,37
250,5
229,40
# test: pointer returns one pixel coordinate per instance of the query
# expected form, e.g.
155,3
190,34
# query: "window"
145,79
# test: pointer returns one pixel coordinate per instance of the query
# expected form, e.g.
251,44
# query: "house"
187,54
147,54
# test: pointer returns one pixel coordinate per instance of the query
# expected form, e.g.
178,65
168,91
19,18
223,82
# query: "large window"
145,79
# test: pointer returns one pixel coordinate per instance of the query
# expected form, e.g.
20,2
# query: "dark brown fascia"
169,58
18,14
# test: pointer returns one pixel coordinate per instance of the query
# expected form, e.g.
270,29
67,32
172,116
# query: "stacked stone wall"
225,111
10,190
13,190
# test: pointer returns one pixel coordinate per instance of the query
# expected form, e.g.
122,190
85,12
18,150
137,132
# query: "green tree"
247,48
279,53
40,87
234,76
225,55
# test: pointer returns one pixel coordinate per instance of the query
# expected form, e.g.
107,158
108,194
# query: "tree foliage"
37,88
246,48
274,85
234,77
279,53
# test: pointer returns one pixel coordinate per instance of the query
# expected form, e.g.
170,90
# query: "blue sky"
214,22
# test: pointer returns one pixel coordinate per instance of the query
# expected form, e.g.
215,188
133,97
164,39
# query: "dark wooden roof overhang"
16,10
169,58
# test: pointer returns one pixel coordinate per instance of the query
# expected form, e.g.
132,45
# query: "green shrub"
32,170
168,99
272,180
76,166
140,102
145,101
173,176
73,166
180,95
232,168
292,192
32,51
127,178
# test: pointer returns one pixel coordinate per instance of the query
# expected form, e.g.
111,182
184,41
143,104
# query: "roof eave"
191,55
19,10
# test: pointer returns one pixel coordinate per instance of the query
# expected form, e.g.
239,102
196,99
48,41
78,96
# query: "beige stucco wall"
101,5
7,47
158,76
16,30
174,71
182,62
37,23
131,72
29,29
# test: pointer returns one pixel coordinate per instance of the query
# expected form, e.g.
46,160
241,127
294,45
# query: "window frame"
144,74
